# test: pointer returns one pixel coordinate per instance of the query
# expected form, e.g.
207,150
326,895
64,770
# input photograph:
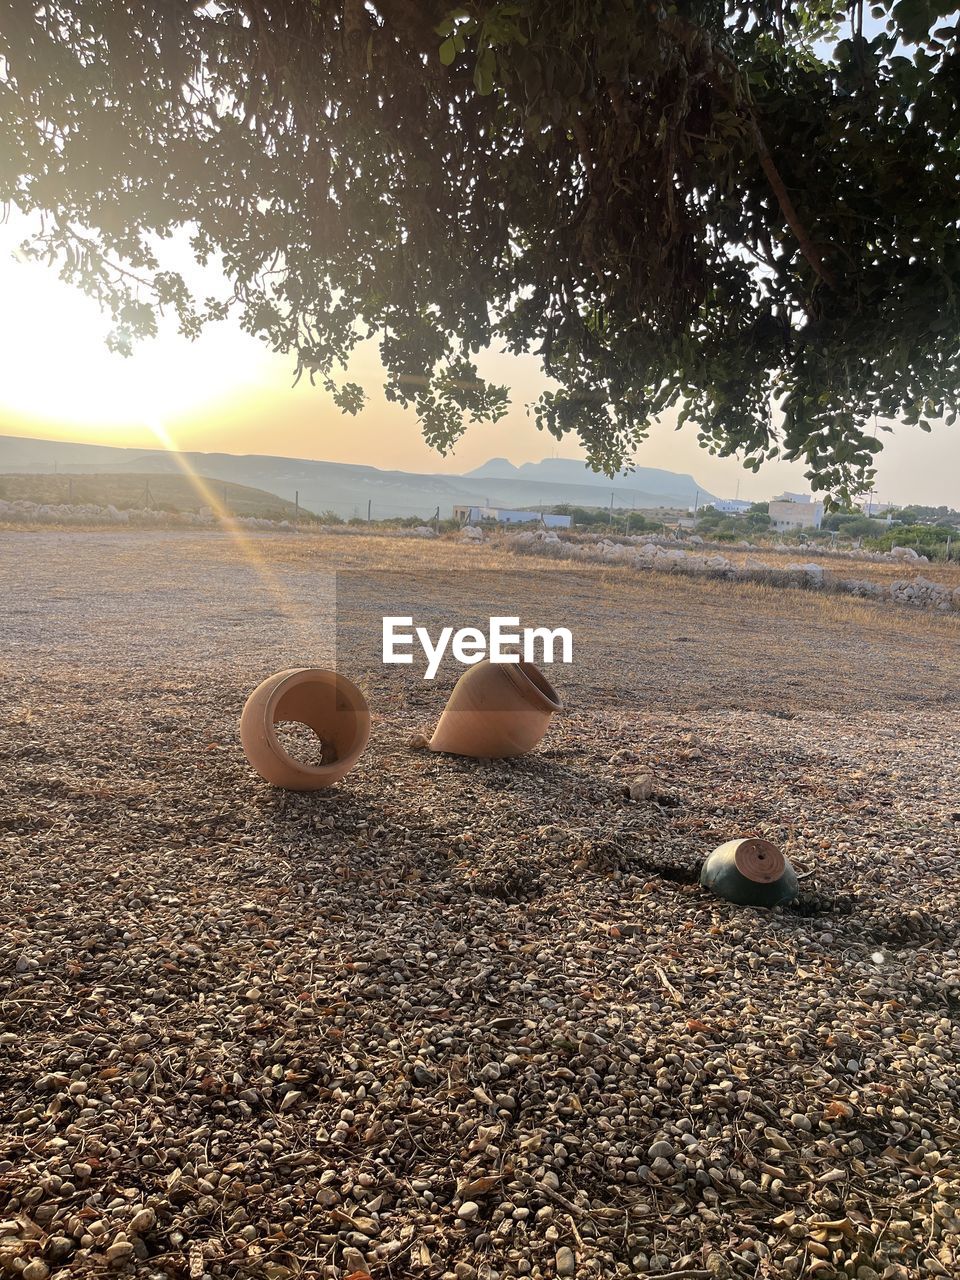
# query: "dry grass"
155,490
945,572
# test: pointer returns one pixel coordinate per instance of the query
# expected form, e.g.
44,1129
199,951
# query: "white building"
731,506
792,513
501,515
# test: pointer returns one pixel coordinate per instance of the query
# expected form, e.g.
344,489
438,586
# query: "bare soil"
460,1018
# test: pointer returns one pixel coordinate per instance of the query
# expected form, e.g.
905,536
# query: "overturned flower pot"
497,709
325,702
750,872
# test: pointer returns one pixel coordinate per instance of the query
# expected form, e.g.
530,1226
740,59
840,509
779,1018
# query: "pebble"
143,1220
641,787
119,1251
468,1210
566,1262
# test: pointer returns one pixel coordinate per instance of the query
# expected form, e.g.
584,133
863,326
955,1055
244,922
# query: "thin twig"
683,1275
672,991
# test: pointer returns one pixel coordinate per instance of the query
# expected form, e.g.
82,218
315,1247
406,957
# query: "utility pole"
369,508
611,506
296,505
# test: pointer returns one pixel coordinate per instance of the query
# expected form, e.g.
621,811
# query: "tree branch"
807,247
689,35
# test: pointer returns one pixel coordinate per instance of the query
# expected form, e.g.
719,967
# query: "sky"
227,392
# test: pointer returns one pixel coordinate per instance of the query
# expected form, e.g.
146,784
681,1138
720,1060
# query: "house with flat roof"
790,514
504,515
731,506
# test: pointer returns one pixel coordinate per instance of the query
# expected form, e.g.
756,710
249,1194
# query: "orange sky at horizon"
227,392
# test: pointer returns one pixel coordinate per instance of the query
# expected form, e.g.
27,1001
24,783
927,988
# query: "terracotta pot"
497,709
327,703
751,872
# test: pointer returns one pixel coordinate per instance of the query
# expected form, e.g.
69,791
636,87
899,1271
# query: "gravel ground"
466,1019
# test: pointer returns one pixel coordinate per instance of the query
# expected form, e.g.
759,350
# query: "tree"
944,516
757,519
853,524
735,208
708,517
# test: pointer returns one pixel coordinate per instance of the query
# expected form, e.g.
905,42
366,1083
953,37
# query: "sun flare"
57,369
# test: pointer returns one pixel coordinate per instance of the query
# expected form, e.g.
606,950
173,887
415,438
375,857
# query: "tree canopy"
747,210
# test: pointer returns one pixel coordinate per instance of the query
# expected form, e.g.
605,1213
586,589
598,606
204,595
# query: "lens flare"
293,611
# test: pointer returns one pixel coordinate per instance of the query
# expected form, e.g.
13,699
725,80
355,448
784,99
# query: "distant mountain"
495,469
573,471
352,490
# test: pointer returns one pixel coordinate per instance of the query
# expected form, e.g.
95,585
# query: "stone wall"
650,554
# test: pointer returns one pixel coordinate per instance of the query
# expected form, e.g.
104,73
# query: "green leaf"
448,51
483,72
914,18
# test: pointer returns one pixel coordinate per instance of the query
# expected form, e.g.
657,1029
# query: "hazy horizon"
227,392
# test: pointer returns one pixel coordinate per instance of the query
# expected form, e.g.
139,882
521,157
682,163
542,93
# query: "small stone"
142,1221
661,1149
468,1210
119,1251
35,1270
566,1262
47,1083
641,788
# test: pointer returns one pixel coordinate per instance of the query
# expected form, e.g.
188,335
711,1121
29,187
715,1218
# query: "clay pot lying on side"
497,709
326,702
751,872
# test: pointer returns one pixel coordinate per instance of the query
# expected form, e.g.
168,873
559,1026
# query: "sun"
57,371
